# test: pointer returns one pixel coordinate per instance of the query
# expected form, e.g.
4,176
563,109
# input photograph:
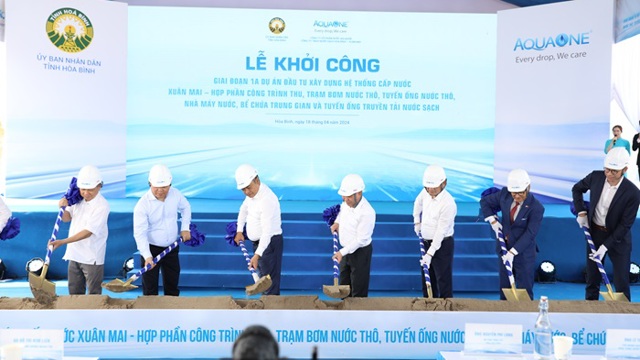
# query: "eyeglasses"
611,171
519,193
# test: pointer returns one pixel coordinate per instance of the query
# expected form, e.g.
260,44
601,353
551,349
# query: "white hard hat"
245,173
89,177
617,159
160,176
518,180
433,176
350,185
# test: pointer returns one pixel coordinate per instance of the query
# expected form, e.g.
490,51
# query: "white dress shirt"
91,216
438,217
155,222
602,208
261,214
356,226
5,214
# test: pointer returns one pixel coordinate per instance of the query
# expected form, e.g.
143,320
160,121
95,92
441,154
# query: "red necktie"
513,211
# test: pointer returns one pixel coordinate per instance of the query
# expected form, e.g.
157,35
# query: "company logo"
330,24
561,40
276,25
69,30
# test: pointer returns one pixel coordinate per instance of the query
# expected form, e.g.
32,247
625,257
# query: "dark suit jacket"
622,211
635,146
522,233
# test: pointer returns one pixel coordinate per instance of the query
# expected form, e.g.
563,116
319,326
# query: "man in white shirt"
88,232
354,225
434,213
155,227
616,201
260,212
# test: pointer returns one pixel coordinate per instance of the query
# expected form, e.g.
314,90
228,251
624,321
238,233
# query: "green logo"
69,30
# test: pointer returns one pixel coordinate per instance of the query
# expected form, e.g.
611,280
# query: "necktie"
513,211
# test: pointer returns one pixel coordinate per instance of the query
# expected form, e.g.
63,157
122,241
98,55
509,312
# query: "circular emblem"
69,30
562,40
276,25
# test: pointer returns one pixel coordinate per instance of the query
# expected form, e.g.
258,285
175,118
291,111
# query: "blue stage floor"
555,291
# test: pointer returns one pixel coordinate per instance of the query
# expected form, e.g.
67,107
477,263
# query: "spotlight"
127,266
546,272
634,273
3,267
35,266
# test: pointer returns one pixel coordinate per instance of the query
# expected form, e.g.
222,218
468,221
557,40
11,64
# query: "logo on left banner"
69,30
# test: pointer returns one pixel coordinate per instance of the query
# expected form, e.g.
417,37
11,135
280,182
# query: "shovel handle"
248,259
425,268
507,265
47,258
336,264
156,259
592,246
56,226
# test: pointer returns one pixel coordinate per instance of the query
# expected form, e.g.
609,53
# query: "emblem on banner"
276,25
69,30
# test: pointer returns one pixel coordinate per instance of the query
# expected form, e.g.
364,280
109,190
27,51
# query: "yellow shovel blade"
613,296
513,294
43,290
117,285
262,285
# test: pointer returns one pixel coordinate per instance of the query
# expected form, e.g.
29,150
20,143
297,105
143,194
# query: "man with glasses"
521,218
434,214
616,201
260,212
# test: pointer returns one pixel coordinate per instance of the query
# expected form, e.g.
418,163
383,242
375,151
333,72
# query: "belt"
599,228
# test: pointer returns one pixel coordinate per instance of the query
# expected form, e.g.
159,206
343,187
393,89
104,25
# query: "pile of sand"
313,303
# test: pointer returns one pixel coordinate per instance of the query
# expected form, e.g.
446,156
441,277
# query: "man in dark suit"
635,144
521,218
614,206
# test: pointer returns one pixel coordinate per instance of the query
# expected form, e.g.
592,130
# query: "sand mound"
313,303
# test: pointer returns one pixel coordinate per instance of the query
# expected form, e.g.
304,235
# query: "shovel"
335,290
119,286
608,295
43,290
425,269
261,284
512,294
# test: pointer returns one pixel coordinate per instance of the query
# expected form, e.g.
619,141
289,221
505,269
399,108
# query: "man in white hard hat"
614,202
88,232
260,212
521,218
354,225
155,227
434,213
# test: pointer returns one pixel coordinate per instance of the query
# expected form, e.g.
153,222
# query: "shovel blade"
613,296
118,286
336,291
263,284
513,294
43,290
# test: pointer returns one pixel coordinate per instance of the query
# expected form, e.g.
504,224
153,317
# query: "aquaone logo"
69,30
560,40
330,24
276,25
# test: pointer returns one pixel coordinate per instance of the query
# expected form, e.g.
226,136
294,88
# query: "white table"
459,355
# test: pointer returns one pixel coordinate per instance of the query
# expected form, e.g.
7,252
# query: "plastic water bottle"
542,348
